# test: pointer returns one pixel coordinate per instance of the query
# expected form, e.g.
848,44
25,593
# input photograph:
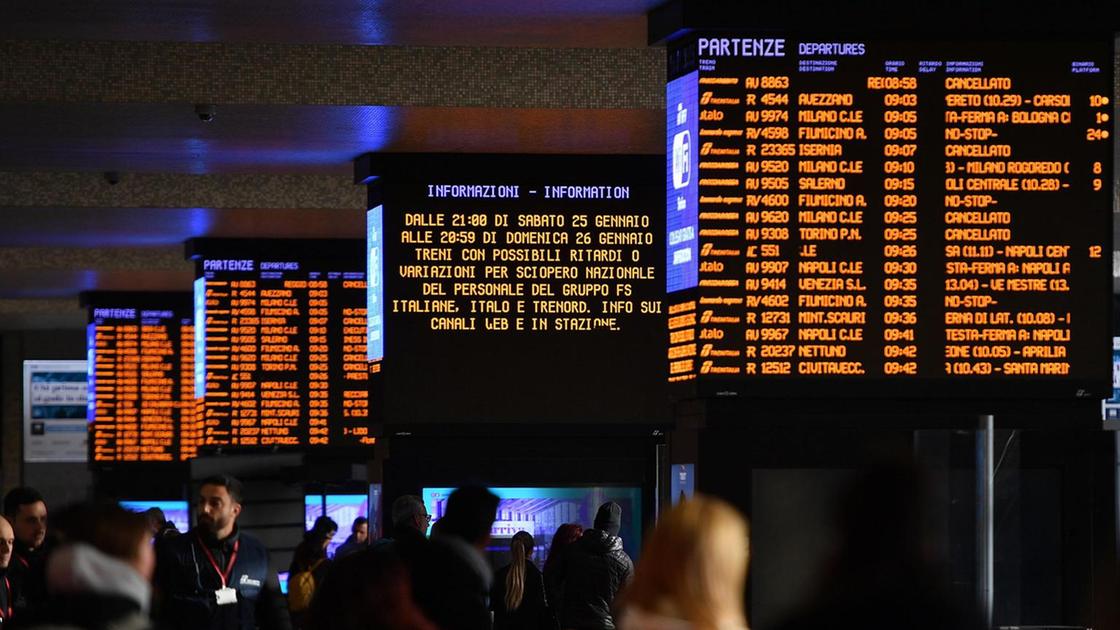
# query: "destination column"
832,295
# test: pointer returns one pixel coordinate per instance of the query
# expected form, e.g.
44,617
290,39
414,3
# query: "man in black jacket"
592,571
26,511
216,577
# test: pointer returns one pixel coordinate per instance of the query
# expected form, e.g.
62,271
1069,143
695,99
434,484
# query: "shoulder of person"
249,541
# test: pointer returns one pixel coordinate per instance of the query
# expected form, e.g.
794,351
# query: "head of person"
520,550
470,515
565,535
409,513
366,590
609,518
26,510
694,566
322,532
360,530
7,543
219,505
118,533
156,519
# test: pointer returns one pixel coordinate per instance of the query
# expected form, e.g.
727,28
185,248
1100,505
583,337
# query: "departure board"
140,353
517,288
896,218
280,343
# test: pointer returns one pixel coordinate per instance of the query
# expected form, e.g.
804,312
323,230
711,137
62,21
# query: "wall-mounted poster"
55,400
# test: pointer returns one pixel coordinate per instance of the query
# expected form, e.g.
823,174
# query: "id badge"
226,596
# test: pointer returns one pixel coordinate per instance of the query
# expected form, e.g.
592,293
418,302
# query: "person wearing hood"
101,578
591,573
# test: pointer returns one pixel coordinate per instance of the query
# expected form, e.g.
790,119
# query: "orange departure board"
280,343
141,353
516,288
896,218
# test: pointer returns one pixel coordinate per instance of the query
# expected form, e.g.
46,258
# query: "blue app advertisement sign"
375,289
682,482
682,129
200,337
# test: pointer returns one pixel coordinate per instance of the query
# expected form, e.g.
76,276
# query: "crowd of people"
104,568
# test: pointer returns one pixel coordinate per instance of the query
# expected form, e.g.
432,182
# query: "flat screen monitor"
280,346
140,348
862,217
1110,407
513,288
178,512
341,508
540,511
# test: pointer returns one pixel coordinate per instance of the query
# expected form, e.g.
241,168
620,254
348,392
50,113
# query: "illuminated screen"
911,218
1110,409
341,508
178,512
518,287
140,349
540,511
282,357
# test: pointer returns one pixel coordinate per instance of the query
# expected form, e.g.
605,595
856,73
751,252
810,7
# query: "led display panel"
516,288
889,218
140,353
281,340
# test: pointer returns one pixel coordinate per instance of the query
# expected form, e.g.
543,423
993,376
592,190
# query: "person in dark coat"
592,572
451,575
565,536
357,541
517,596
310,556
217,577
26,510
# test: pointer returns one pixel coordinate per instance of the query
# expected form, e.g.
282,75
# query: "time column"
900,223
318,395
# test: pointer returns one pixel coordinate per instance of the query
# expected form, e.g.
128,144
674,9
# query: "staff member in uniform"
26,512
216,577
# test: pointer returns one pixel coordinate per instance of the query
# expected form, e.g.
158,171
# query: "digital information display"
519,288
879,213
280,351
140,350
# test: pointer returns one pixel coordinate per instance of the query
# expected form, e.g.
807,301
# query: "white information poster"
55,399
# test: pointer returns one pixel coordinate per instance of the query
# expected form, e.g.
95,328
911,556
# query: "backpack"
301,588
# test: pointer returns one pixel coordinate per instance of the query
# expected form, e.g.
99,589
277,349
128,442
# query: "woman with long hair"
565,535
692,572
517,594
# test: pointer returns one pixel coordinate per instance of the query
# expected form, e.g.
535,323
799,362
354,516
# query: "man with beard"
26,512
216,577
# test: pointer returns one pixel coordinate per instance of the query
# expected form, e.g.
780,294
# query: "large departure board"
140,353
517,288
280,343
895,218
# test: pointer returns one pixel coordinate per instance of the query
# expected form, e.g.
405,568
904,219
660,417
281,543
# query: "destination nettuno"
978,234
978,83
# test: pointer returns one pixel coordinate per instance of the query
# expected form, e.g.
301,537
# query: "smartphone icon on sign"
681,159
